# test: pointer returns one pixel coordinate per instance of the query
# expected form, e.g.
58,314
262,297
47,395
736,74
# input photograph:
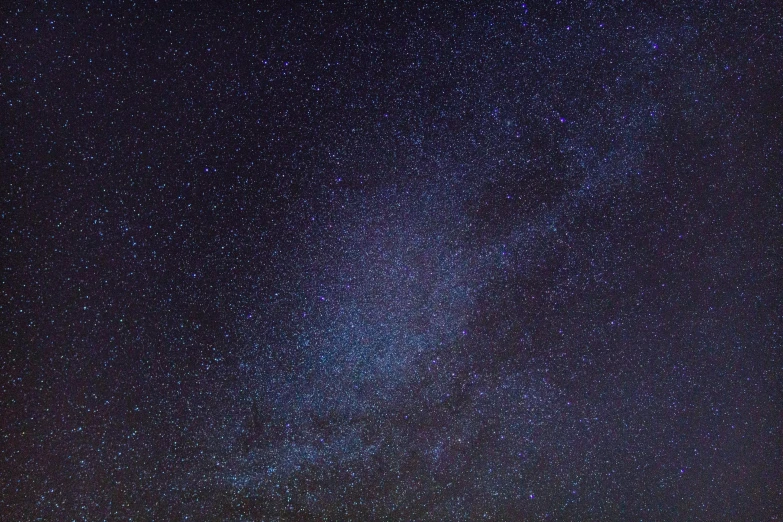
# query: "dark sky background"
375,262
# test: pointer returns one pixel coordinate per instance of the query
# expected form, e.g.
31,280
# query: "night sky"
391,262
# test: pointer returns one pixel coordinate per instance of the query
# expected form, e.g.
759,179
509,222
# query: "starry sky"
385,261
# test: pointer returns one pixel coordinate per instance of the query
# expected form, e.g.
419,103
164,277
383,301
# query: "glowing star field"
391,261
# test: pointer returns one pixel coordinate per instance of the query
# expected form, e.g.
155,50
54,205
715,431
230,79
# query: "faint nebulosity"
391,261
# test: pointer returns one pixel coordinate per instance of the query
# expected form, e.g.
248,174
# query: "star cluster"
407,261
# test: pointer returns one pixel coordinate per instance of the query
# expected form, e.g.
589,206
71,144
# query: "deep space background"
380,261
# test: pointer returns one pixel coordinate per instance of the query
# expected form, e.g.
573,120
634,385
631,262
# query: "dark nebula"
391,261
